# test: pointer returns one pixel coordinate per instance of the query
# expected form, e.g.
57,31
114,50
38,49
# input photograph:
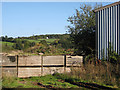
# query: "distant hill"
47,36
35,37
49,44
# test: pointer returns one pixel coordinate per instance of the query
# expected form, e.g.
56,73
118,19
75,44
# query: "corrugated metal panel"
118,25
96,46
107,6
108,26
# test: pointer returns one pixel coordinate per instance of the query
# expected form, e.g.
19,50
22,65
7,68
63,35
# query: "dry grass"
105,73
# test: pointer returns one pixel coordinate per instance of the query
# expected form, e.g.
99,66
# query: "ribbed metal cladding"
108,31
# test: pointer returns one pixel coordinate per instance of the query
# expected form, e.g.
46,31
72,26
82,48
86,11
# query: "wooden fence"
27,66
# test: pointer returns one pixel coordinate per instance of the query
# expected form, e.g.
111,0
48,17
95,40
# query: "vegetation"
82,30
48,81
6,46
50,36
104,73
75,79
38,40
56,45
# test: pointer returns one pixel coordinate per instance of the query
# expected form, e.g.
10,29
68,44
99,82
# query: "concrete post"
41,64
64,63
17,64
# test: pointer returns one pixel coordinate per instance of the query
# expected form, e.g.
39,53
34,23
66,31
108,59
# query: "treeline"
34,37
49,36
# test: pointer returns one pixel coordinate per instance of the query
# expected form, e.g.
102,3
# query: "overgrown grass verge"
105,75
52,81
12,82
90,76
48,81
83,83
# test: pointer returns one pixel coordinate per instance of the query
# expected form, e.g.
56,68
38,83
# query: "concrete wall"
29,60
27,66
74,60
9,60
53,60
9,71
29,71
52,70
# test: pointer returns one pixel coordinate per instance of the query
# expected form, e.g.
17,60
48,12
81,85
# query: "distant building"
108,29
47,38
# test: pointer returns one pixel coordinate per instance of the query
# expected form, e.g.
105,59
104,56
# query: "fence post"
41,64
64,63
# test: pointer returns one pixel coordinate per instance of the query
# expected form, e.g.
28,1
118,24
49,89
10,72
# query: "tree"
43,42
18,45
32,44
82,30
26,44
65,42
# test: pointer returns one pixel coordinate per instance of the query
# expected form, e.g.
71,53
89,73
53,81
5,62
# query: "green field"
8,43
8,46
38,40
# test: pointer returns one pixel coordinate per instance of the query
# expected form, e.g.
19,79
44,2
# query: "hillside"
46,44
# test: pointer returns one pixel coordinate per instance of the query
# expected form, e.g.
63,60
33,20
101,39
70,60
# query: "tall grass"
105,73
